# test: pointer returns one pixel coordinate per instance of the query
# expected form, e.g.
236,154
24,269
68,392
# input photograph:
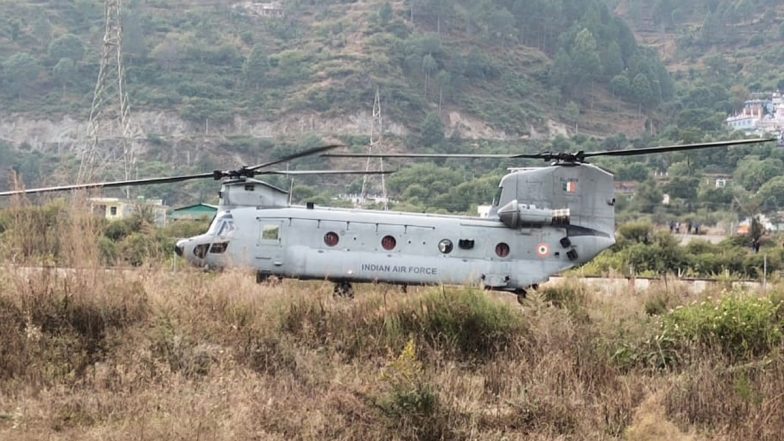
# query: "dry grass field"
151,354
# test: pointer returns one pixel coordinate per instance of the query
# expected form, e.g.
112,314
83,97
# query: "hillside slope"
222,68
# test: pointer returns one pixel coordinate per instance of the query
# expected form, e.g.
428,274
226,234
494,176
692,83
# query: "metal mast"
376,133
110,113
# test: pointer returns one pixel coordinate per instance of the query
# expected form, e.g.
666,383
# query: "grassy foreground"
149,354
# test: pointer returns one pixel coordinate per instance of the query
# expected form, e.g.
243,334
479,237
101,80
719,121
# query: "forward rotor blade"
325,172
293,156
110,184
676,148
419,155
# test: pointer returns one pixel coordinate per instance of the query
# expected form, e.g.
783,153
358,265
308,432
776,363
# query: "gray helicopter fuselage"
505,251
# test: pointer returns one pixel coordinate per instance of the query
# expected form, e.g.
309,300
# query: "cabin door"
270,251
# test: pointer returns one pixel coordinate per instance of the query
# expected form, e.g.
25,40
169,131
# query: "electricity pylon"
376,133
110,113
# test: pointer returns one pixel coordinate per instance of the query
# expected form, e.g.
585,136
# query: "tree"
432,130
771,194
429,66
67,46
753,172
634,171
133,35
65,72
641,90
680,169
499,24
612,60
585,56
648,196
256,66
21,71
385,13
42,30
168,52
683,187
621,86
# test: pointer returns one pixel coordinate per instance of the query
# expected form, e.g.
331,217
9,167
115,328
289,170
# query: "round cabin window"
389,243
502,249
445,246
331,239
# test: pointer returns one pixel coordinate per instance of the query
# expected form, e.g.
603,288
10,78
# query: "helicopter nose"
180,247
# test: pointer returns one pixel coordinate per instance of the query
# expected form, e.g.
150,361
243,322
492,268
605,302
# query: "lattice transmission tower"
376,134
110,113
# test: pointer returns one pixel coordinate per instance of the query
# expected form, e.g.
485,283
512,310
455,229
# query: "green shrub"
657,304
410,403
464,321
636,232
740,326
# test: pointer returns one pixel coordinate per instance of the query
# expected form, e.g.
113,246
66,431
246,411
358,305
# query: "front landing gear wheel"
343,289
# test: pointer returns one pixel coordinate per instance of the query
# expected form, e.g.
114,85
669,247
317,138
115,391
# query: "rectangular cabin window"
113,211
270,232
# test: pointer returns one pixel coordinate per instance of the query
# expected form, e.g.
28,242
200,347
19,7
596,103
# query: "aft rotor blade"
421,155
297,155
325,172
676,148
110,184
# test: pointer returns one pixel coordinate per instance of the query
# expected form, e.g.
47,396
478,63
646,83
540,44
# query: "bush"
740,326
657,304
463,323
410,403
569,296
466,322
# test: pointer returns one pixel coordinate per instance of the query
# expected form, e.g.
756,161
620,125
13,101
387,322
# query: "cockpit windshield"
222,225
497,198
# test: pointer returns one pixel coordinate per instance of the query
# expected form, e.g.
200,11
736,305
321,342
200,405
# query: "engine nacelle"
516,215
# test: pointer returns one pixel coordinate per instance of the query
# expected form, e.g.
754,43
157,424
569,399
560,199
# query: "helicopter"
543,221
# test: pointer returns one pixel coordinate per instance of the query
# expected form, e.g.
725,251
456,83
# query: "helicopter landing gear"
344,290
261,277
404,288
520,293
267,278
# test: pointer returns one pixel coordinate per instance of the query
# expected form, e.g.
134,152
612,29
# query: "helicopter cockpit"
198,249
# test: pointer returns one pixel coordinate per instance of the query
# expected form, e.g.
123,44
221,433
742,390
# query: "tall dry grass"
89,353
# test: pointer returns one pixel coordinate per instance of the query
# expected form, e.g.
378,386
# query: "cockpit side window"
497,198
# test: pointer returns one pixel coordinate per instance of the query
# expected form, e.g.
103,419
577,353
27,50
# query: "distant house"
718,180
763,114
114,209
194,212
262,9
626,187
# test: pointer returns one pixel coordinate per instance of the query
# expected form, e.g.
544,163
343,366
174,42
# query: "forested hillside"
217,83
492,69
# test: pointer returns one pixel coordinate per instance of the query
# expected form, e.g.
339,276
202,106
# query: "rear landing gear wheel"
344,290
520,293
261,277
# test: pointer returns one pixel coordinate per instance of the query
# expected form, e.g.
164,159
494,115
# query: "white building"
114,209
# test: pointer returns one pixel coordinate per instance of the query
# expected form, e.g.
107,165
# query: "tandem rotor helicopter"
543,221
